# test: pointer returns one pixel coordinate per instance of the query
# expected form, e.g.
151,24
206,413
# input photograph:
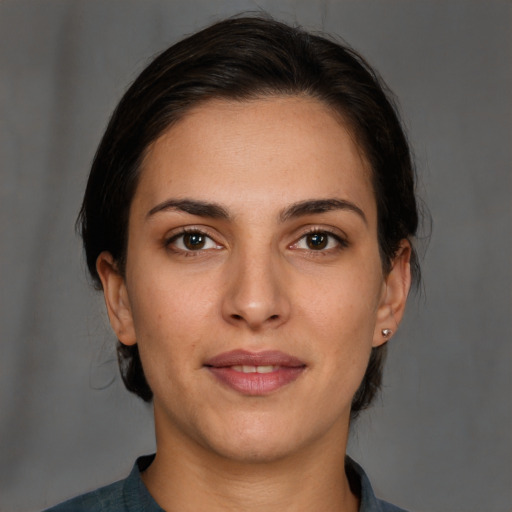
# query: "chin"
251,450
257,440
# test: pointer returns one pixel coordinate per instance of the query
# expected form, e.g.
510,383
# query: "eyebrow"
192,206
313,206
216,211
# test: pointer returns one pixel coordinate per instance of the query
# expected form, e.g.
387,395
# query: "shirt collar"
137,497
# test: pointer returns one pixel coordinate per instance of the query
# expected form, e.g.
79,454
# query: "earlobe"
116,299
396,289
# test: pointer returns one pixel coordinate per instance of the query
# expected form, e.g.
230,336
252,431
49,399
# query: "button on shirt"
131,495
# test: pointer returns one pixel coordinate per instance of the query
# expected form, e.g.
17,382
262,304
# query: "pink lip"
288,369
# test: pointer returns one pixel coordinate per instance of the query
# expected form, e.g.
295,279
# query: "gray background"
439,439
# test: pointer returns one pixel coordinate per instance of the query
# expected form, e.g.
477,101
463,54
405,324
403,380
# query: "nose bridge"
256,295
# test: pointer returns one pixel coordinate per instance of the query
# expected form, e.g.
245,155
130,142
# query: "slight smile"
255,373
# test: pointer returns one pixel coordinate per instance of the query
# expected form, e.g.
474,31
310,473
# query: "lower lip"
255,384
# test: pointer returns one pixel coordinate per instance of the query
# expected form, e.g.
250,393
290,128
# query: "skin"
256,284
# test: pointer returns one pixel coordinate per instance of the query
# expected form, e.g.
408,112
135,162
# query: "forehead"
268,148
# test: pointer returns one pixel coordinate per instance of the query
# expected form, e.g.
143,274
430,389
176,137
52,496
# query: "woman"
249,217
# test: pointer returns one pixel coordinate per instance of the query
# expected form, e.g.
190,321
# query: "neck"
186,477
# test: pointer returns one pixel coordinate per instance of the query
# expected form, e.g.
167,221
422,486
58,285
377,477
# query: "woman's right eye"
190,241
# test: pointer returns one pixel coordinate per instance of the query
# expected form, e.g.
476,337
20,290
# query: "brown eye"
320,241
191,241
194,241
317,241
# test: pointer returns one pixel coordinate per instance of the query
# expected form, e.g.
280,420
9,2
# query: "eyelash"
171,241
340,240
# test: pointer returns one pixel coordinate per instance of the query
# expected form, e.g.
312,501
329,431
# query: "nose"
256,295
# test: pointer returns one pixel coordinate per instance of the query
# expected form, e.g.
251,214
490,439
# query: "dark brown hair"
238,59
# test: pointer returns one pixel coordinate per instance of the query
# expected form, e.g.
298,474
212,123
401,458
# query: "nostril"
237,317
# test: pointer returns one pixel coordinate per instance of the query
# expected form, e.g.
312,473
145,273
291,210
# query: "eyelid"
335,233
179,232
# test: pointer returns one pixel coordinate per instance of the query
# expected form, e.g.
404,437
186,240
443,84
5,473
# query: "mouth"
255,369
255,373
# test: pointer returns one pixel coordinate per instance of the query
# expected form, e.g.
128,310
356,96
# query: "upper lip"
246,358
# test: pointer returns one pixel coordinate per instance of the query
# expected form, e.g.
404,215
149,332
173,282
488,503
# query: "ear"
396,289
116,299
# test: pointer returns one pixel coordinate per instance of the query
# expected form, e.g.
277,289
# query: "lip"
286,369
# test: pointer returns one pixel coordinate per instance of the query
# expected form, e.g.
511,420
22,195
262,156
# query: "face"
253,285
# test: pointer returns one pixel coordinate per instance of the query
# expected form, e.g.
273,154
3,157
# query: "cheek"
340,318
168,340
171,314
344,300
161,300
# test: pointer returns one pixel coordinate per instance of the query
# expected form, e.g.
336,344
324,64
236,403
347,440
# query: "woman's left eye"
319,241
192,241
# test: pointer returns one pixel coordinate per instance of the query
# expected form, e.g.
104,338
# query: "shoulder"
128,495
388,507
105,499
361,486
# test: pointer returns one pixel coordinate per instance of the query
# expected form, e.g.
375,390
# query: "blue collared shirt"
131,495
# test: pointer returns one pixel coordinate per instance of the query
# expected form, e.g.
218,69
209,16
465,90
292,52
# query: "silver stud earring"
386,333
